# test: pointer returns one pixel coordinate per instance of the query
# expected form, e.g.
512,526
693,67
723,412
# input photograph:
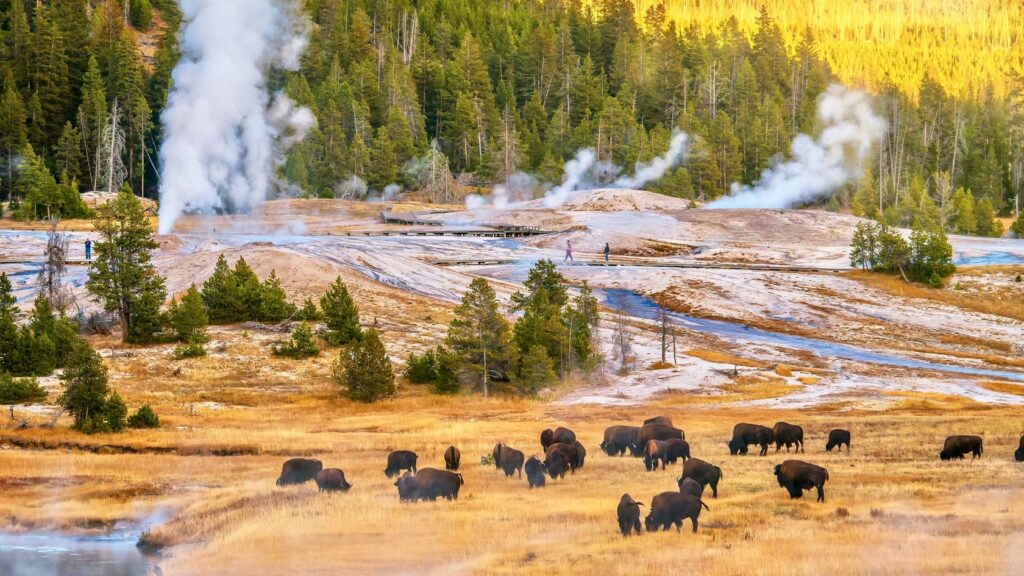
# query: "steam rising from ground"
225,135
851,130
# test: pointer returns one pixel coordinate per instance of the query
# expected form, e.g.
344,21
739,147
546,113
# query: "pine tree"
985,219
189,318
92,117
863,246
536,370
479,336
274,305
68,152
962,213
37,188
50,73
249,292
13,132
8,325
122,275
363,371
220,293
301,344
931,254
85,384
340,314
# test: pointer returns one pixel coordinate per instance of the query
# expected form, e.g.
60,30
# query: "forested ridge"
496,88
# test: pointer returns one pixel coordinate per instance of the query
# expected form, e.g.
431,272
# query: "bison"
836,438
581,454
958,446
654,453
570,455
400,460
556,436
796,476
691,487
618,439
788,434
1018,454
744,435
650,432
663,420
670,508
629,515
704,473
555,463
452,458
676,449
298,471
508,460
535,472
332,480
429,484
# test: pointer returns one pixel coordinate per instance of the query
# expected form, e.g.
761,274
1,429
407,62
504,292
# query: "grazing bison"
958,446
676,449
556,436
581,453
663,420
570,455
452,458
299,470
744,435
691,487
654,452
796,476
650,432
670,508
836,438
535,472
555,464
704,473
508,460
629,515
400,460
1018,454
332,480
618,439
429,484
788,434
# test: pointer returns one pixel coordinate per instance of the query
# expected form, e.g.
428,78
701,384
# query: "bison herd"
657,442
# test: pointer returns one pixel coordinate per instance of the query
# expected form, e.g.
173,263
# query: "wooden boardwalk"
651,264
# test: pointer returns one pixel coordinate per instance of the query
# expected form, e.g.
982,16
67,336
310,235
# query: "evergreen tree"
8,325
274,306
931,254
122,276
340,314
863,246
962,213
536,370
189,318
985,218
479,336
220,293
249,292
13,132
363,371
301,344
85,384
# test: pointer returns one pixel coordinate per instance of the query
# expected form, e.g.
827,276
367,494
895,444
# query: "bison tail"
461,480
704,505
639,503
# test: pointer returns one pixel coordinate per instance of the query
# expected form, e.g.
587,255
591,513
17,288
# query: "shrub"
189,350
19,390
309,312
144,417
301,344
422,369
363,371
111,418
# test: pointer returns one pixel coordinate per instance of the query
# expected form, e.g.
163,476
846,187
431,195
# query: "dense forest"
484,90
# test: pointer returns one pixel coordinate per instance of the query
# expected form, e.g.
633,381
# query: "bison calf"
298,471
535,472
332,480
955,447
429,484
788,434
670,508
400,460
796,476
508,460
836,438
744,435
702,472
629,515
452,458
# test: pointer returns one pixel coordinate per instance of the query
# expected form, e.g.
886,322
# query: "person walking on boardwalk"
607,251
88,249
568,252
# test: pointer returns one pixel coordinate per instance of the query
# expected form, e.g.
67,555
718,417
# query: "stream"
641,306
54,554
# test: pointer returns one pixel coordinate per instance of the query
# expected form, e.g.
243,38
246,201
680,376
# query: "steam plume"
225,135
819,167
655,169
575,173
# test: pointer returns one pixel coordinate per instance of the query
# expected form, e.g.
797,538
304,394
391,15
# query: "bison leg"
679,525
693,519
764,449
821,492
714,489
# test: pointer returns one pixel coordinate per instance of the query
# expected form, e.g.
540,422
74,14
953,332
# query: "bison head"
778,468
649,523
735,446
945,455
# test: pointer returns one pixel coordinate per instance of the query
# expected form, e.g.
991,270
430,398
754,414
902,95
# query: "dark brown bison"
452,458
836,438
581,453
653,454
676,449
332,480
629,515
956,447
298,471
570,455
534,472
744,435
558,435
702,472
670,508
400,460
618,439
429,484
650,432
508,460
663,420
796,476
691,487
788,434
1018,454
555,463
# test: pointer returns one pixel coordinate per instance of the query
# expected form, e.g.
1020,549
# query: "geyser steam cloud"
851,130
224,134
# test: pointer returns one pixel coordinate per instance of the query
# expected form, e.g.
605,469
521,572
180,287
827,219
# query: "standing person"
568,252
607,251
88,249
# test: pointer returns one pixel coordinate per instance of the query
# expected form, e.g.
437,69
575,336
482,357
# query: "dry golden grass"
724,358
1008,307
1004,387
